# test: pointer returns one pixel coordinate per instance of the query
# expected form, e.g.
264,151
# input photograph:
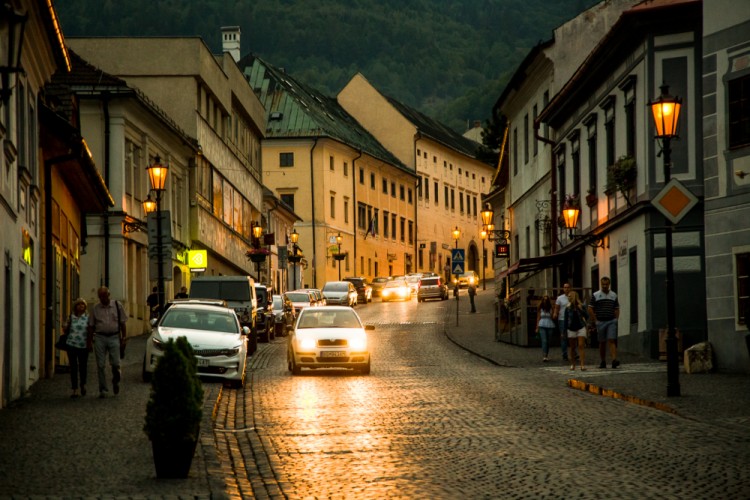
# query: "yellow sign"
197,259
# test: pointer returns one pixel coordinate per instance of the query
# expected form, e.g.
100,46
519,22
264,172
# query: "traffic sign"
674,201
458,268
457,255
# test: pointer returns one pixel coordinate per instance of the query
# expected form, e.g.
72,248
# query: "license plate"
203,362
332,354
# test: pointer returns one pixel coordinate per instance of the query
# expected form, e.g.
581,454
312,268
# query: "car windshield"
336,287
412,279
395,284
277,303
262,295
298,296
321,317
196,319
380,280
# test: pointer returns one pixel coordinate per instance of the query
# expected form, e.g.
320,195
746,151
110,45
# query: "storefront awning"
535,264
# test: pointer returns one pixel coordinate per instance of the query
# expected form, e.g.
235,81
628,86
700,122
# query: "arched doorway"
472,258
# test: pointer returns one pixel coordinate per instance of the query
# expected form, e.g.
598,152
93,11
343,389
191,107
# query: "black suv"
264,320
364,290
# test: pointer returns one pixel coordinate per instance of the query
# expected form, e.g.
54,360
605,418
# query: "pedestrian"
182,293
559,315
575,319
545,325
78,347
472,293
107,325
605,311
153,303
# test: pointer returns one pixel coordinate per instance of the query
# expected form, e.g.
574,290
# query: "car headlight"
358,343
231,352
306,343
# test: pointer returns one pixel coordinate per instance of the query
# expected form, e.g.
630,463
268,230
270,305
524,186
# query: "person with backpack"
545,325
576,318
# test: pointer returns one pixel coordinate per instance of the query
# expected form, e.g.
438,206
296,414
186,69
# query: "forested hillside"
448,58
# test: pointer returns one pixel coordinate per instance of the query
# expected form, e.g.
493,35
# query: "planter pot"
591,200
257,257
172,460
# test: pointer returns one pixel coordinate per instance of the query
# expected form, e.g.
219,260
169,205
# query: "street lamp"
483,236
157,175
487,215
338,242
12,24
456,233
570,213
666,112
258,255
294,236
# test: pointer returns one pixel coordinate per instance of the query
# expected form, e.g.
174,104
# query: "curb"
601,391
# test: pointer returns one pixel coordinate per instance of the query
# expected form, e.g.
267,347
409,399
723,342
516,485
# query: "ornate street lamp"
483,236
570,213
294,258
149,205
257,254
339,256
157,175
666,113
12,27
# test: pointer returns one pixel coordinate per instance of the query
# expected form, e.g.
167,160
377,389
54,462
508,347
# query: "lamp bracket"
131,226
498,235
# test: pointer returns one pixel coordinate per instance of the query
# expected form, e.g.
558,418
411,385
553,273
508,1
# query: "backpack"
576,322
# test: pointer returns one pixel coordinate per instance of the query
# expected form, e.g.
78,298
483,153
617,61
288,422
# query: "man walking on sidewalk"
107,324
472,294
561,304
605,311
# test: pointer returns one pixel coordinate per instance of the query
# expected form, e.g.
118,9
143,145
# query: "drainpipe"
107,133
417,137
354,202
312,209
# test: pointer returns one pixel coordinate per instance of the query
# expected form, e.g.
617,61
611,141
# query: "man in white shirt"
559,315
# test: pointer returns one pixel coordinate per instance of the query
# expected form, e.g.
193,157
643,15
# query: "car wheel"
252,342
366,369
145,375
296,370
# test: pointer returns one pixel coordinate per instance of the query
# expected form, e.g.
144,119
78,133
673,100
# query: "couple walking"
572,316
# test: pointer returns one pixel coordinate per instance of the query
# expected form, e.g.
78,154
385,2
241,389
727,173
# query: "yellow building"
451,177
338,179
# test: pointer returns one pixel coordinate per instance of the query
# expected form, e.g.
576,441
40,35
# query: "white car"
329,337
214,333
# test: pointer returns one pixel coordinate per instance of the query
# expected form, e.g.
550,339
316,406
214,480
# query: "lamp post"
294,236
570,213
456,233
257,233
666,113
338,242
157,175
13,24
487,215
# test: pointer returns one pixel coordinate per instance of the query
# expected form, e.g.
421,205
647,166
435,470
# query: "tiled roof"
437,131
296,110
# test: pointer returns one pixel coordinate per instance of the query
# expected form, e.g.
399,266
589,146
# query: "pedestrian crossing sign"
458,268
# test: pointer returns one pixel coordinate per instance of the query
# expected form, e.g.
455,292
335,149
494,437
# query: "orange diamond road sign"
674,201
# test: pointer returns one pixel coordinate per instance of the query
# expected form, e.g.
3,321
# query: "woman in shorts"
576,318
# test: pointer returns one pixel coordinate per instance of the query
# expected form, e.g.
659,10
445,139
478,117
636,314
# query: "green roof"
294,110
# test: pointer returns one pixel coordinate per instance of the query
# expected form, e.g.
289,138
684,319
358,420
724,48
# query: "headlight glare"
307,343
358,343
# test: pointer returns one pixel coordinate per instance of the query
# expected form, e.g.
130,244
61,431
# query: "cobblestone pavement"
447,412
434,421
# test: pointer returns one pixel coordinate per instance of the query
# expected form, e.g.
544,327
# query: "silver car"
340,293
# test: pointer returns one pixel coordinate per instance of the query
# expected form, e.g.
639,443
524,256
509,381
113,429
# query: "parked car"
301,299
340,293
364,290
378,283
319,299
396,290
238,292
432,287
467,278
329,337
284,315
213,331
264,314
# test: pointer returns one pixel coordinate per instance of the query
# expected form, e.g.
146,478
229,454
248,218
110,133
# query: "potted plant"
174,410
257,255
591,198
621,176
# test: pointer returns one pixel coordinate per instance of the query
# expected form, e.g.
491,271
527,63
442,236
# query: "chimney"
230,41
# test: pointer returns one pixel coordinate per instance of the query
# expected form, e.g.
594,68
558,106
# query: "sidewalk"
717,398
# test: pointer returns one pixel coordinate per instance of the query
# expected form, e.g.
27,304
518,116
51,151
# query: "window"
401,193
739,111
411,232
514,151
330,163
426,189
742,263
474,202
376,217
436,193
525,138
591,142
403,229
346,210
575,152
393,189
393,226
362,217
561,175
361,175
453,199
286,159
385,185
386,220
628,88
346,169
409,197
372,181
461,202
445,197
288,199
536,143
609,129
333,206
